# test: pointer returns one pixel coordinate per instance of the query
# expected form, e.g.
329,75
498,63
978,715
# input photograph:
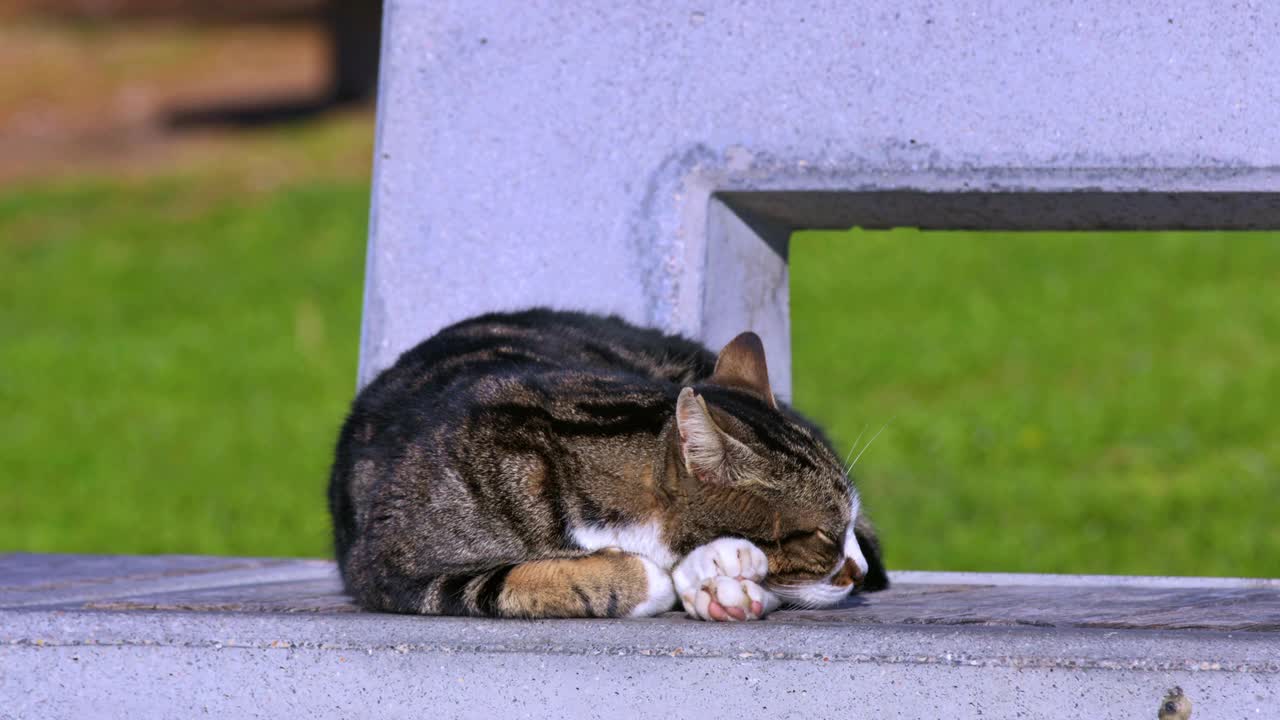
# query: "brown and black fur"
461,470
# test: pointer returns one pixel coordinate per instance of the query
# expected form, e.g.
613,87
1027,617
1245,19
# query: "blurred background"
184,189
183,199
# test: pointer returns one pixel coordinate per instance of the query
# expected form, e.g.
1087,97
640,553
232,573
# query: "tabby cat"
556,464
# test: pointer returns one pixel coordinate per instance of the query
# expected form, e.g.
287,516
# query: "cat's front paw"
721,581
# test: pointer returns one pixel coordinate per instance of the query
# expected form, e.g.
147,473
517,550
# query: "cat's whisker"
873,439
848,465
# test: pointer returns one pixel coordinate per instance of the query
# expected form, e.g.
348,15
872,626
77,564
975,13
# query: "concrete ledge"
178,636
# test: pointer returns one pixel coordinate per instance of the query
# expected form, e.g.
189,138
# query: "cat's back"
507,376
536,342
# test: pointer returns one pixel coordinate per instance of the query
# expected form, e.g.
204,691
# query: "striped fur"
606,583
467,476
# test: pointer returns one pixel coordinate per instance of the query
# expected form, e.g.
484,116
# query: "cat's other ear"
741,364
877,578
709,453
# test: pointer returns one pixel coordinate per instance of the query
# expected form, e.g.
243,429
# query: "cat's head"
763,472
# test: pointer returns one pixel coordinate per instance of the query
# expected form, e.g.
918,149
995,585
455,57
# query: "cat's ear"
741,364
709,453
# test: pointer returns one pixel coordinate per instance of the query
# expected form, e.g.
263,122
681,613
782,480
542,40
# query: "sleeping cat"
557,464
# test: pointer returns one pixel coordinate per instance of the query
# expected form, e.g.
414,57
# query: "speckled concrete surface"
84,636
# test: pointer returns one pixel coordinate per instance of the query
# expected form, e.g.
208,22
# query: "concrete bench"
652,160
181,636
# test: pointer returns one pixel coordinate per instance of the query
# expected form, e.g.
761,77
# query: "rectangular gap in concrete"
747,285
1135,367
748,234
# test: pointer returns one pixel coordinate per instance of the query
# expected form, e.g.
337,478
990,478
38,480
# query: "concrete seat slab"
260,636
235,585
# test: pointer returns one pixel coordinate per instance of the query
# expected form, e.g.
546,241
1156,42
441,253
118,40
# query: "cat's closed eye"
826,539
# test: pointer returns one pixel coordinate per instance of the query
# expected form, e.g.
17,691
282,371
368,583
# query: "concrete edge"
974,646
249,571
930,577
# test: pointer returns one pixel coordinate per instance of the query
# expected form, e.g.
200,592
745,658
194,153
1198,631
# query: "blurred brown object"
355,33
229,10
99,86
354,27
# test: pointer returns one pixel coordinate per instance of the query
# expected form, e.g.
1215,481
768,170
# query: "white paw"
661,595
721,581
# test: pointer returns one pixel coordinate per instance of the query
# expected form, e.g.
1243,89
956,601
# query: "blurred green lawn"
1087,403
174,368
175,363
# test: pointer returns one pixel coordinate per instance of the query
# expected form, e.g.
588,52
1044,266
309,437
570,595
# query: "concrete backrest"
651,159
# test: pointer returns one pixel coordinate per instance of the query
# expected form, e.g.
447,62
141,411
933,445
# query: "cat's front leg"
722,581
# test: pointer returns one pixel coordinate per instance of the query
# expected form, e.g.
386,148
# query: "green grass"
176,359
1054,402
175,364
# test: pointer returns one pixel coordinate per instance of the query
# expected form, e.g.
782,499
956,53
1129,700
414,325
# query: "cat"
557,464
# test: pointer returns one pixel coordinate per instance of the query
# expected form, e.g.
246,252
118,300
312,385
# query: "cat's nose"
849,574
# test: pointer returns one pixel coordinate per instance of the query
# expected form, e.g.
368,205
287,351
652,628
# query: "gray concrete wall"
567,153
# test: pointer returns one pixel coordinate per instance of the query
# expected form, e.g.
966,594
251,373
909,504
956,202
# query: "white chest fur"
644,539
